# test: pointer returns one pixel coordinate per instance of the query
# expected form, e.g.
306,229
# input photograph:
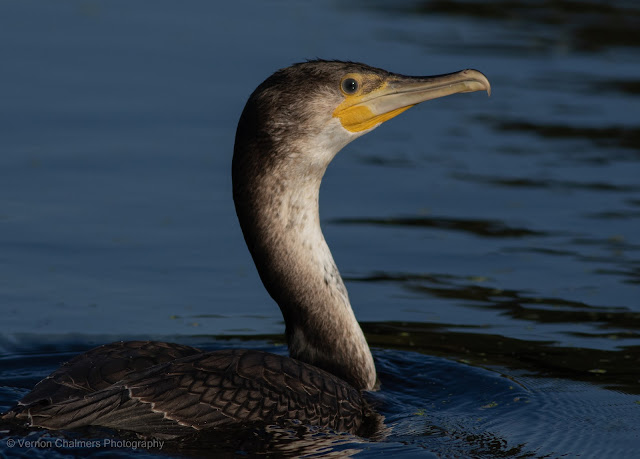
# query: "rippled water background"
491,246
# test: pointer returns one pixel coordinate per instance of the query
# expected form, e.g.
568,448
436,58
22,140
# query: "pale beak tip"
480,78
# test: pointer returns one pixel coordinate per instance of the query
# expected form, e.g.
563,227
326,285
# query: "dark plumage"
168,390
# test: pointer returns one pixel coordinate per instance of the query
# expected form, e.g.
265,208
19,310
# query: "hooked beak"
399,93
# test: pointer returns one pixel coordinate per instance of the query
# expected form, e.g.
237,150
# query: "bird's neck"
278,213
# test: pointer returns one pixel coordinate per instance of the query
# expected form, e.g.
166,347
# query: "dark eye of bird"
349,85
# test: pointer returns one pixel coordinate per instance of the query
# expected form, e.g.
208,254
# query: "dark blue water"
491,246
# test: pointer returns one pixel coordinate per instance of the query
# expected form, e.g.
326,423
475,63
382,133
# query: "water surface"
491,246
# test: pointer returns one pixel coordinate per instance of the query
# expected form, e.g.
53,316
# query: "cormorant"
292,126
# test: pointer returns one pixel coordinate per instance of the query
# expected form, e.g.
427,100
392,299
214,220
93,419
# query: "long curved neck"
277,205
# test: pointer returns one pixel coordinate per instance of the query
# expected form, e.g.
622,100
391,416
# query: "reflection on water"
608,136
617,370
491,246
587,25
487,228
551,184
502,398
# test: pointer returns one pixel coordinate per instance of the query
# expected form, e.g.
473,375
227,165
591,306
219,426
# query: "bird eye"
349,86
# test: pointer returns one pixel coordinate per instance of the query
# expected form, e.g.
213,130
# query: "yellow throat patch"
356,116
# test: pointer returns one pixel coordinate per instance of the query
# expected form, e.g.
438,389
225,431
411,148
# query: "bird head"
311,110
